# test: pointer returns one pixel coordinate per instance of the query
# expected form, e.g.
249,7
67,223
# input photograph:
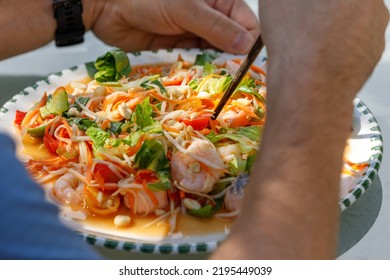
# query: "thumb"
220,29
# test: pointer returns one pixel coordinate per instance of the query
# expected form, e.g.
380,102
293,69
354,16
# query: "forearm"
318,62
296,203
31,24
291,206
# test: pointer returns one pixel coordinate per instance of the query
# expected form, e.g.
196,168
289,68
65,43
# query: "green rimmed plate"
365,146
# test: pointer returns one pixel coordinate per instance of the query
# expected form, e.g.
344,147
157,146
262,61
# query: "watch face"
70,28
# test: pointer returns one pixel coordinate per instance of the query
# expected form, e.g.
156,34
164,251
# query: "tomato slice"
198,124
19,117
103,171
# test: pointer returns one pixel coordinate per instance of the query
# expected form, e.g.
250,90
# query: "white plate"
365,146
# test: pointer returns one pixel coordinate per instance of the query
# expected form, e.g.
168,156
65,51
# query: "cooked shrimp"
193,174
235,193
68,190
233,118
141,203
229,152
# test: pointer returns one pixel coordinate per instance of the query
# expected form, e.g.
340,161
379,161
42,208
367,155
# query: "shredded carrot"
205,131
163,98
89,165
94,106
253,67
357,166
67,126
244,108
109,90
146,70
170,129
256,122
34,112
100,180
105,124
173,82
258,70
133,150
91,193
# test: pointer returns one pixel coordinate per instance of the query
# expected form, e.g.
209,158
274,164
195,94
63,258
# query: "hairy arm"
319,60
134,25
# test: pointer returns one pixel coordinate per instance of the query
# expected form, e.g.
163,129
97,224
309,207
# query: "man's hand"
133,25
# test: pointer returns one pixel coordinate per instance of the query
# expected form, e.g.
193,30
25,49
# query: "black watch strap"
70,28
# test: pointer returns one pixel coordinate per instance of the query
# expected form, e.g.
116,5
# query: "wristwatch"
70,28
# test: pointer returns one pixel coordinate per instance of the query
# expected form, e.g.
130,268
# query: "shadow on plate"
357,220
11,85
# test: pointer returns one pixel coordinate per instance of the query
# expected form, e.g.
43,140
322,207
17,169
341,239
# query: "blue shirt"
29,225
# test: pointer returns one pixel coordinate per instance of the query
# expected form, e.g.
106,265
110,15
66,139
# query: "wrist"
22,30
316,79
73,19
313,110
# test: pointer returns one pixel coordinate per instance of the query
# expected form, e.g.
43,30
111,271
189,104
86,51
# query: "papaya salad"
139,141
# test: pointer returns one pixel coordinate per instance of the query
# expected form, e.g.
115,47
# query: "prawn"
68,190
233,118
194,175
235,193
141,203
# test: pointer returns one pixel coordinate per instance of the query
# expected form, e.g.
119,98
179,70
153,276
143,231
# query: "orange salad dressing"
186,225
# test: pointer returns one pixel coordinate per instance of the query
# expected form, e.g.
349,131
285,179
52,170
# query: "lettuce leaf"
207,211
237,165
249,162
151,156
143,114
165,182
246,137
133,138
154,80
97,135
216,85
116,127
204,57
82,123
209,69
112,66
